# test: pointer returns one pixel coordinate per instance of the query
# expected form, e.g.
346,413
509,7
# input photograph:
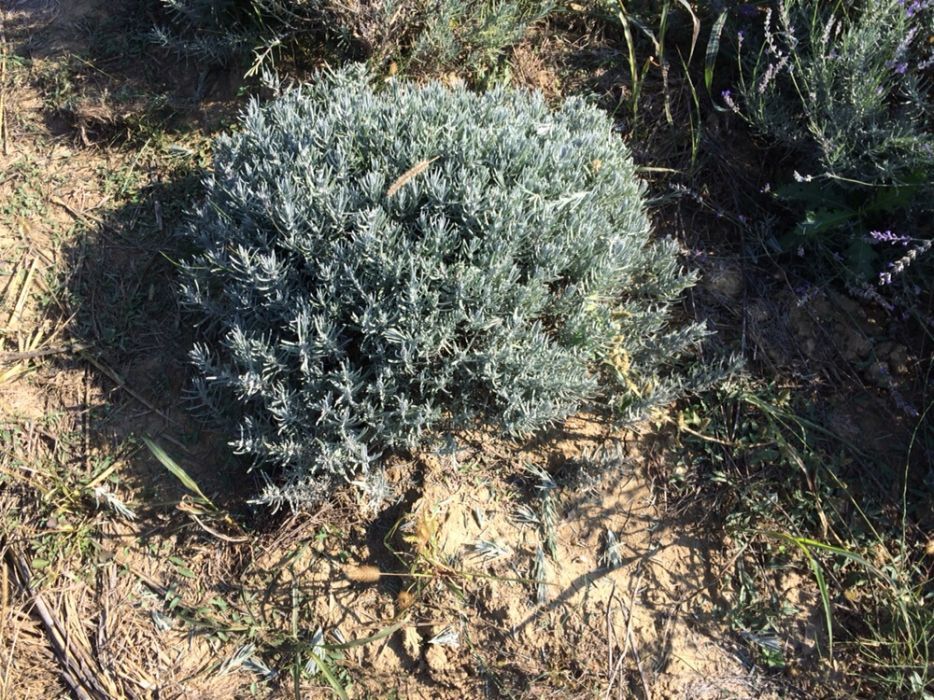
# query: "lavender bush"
846,87
375,264
424,37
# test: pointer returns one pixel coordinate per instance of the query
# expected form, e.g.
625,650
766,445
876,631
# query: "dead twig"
635,654
716,579
32,354
627,640
4,128
610,641
121,382
83,217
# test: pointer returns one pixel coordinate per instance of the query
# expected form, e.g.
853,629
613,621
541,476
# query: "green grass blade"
852,556
329,676
782,416
662,59
631,55
176,470
694,115
382,634
713,50
801,543
824,595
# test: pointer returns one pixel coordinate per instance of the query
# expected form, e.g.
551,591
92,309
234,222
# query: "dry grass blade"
28,342
14,372
12,284
23,294
409,175
78,668
695,32
218,535
4,616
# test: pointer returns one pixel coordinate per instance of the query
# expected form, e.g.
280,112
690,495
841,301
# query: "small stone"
725,281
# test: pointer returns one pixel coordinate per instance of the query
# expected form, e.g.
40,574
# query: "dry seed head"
423,533
362,574
410,174
405,599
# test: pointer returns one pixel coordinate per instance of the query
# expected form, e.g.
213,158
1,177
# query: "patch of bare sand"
644,624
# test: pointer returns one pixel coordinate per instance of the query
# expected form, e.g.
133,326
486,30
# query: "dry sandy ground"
618,597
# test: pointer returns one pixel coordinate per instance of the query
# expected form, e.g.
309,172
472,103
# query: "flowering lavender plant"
845,88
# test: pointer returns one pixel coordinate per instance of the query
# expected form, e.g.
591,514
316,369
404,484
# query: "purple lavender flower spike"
888,236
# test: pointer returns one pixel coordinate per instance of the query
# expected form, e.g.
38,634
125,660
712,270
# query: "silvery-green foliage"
847,87
345,315
468,36
422,36
218,31
847,84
